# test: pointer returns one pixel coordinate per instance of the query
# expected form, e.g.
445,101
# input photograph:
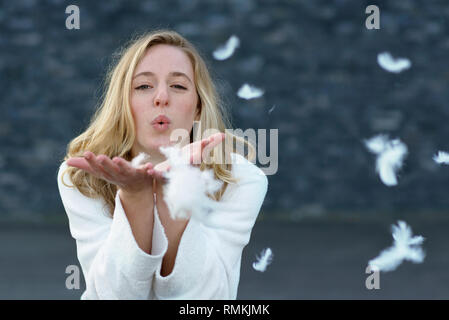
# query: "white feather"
140,159
249,92
442,157
187,187
224,52
263,260
405,247
387,62
377,144
271,109
390,156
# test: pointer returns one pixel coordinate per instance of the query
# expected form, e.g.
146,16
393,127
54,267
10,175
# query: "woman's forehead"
164,60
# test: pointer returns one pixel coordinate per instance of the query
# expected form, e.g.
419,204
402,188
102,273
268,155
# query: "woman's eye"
143,87
177,86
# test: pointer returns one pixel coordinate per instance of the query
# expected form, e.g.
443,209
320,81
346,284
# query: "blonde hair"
111,130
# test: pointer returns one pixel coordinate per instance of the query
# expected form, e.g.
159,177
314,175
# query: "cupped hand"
117,171
196,152
200,150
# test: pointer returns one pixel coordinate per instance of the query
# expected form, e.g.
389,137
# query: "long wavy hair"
111,130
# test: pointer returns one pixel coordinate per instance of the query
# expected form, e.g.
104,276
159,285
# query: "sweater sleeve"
208,260
113,264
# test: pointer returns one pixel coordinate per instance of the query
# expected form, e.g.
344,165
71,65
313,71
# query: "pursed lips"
161,119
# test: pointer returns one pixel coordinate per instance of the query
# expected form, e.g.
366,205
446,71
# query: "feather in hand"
187,187
140,159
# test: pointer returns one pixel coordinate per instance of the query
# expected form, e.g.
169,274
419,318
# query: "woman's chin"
161,143
154,143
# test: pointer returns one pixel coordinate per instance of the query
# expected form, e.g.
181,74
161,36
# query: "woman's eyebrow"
179,74
172,74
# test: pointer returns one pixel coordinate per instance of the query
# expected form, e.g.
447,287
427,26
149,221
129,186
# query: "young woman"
127,244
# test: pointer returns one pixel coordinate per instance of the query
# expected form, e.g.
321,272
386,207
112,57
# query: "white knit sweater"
208,260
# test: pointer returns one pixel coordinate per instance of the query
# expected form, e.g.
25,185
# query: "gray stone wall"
315,60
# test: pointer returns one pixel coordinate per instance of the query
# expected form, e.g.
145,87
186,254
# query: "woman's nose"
161,98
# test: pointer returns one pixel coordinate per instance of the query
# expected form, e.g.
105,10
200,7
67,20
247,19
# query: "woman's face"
163,84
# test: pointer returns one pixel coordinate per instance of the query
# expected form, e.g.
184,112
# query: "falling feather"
377,144
387,62
390,156
263,260
224,52
405,247
442,157
194,202
249,92
140,159
271,109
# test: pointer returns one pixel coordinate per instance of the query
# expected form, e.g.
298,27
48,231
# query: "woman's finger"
142,169
205,142
213,140
80,163
83,164
196,150
127,169
216,139
109,166
93,162
199,149
124,166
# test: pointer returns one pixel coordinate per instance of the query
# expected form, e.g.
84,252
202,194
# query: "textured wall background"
315,60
